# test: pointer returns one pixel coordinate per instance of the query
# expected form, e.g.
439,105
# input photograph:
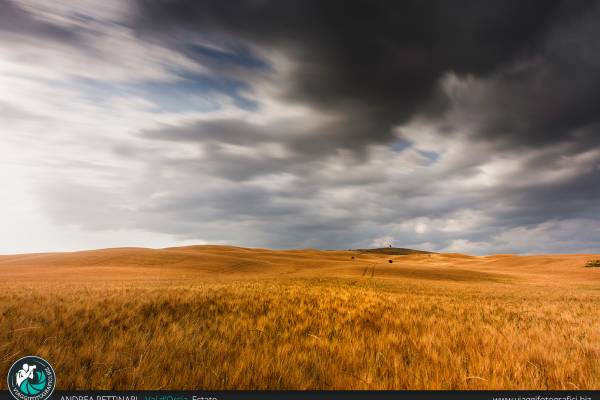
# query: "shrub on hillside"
593,264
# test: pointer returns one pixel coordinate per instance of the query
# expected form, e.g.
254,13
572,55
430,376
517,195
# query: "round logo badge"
31,378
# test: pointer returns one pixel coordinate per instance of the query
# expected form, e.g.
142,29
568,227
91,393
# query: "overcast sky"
463,126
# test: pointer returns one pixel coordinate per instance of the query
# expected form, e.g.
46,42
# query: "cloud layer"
455,127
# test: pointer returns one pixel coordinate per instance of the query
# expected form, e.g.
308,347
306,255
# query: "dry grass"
232,318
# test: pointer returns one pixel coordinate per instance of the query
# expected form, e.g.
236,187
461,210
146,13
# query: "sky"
462,126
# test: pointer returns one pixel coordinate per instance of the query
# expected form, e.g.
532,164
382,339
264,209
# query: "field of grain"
215,317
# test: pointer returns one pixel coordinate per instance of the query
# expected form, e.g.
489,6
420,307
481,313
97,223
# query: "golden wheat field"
216,317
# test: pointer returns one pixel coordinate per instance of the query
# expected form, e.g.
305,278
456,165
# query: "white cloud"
384,241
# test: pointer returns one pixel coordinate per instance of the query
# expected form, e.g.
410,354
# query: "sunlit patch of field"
216,317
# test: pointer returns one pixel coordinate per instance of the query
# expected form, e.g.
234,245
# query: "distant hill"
393,251
211,263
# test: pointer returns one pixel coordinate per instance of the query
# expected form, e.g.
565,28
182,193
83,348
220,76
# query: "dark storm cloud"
466,125
371,61
231,131
15,20
304,143
552,95
576,195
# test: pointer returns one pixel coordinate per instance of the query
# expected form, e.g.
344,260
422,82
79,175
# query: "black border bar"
320,395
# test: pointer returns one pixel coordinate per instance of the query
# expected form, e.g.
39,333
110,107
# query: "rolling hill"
222,317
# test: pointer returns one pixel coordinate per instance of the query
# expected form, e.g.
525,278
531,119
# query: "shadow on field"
441,274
